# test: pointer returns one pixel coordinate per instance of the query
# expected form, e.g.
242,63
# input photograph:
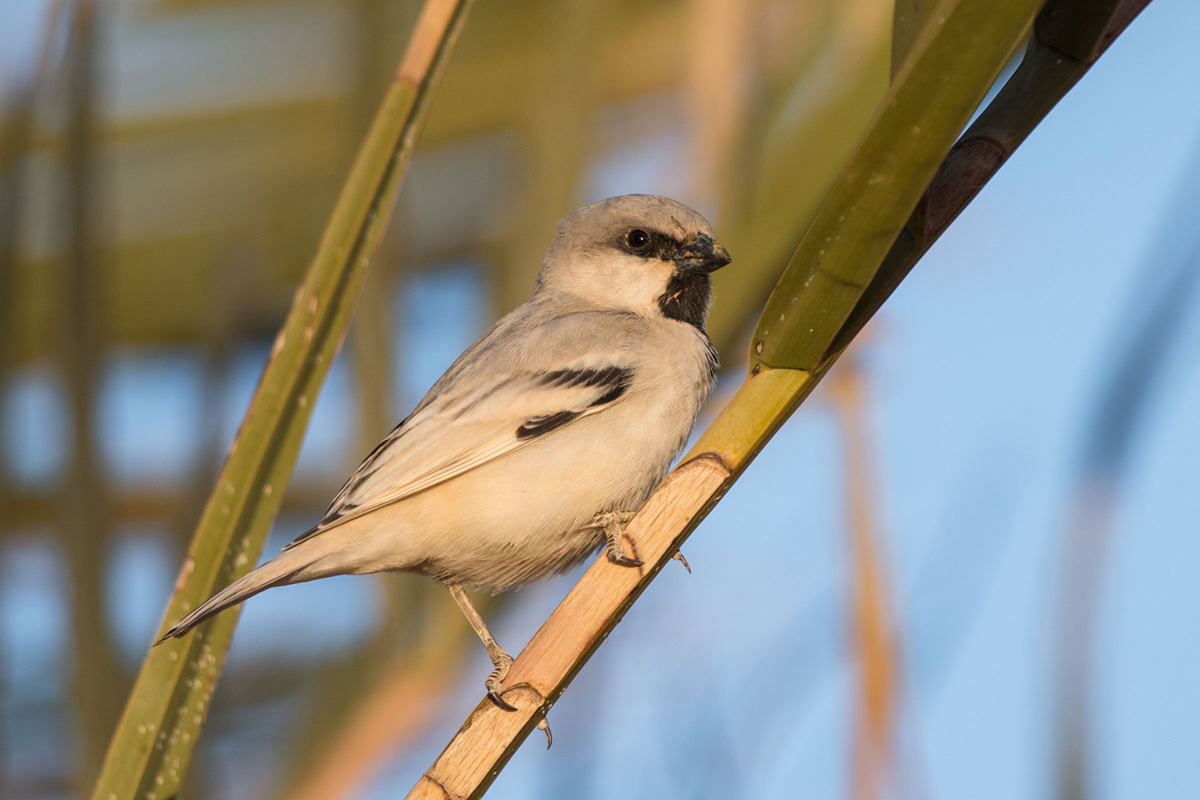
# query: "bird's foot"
617,555
502,662
613,524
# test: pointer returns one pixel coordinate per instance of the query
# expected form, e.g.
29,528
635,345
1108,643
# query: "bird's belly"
520,517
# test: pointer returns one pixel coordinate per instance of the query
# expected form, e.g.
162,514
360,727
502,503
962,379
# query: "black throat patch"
686,298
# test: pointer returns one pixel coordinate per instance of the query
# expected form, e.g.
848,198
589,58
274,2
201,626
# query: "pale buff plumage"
572,406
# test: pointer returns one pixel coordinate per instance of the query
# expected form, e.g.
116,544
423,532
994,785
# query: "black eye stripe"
660,246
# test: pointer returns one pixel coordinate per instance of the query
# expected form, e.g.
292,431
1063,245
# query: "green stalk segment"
152,746
1068,37
955,59
909,17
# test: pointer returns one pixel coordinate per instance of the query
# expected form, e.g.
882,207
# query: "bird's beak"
701,254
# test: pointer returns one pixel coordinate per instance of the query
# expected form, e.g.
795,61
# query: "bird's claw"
613,524
621,559
679,557
494,688
496,679
501,703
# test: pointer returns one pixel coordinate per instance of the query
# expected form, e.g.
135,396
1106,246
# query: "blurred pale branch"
394,713
883,181
394,709
86,518
556,145
871,628
716,90
153,745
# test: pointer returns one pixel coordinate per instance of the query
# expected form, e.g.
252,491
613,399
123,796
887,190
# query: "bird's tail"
285,568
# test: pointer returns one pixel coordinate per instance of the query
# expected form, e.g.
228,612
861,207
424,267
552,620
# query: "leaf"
1047,71
929,103
153,743
908,19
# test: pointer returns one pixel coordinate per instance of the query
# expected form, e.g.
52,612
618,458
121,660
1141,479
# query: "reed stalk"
153,745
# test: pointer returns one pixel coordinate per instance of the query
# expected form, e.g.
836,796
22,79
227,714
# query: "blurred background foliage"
928,549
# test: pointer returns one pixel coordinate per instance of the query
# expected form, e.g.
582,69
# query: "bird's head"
637,252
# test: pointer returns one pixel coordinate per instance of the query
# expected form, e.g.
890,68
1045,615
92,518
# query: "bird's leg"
500,659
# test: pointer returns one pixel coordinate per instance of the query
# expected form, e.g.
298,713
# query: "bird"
541,441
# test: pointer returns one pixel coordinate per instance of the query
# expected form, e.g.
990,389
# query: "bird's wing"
508,397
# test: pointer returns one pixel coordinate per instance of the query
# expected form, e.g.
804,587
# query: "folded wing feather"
456,433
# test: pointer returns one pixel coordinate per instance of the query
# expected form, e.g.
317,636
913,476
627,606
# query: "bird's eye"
638,239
